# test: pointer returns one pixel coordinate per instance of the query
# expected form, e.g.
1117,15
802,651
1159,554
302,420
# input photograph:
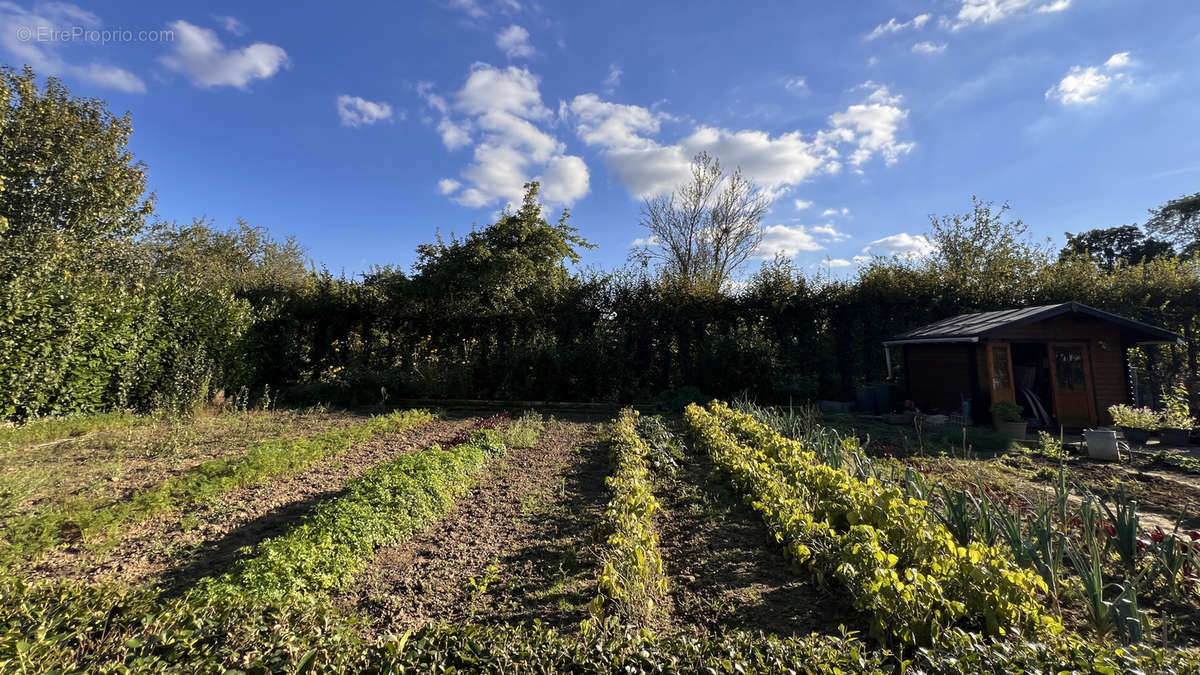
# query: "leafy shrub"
898,564
27,536
1006,411
632,583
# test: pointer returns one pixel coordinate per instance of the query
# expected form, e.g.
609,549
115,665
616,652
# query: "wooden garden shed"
1064,364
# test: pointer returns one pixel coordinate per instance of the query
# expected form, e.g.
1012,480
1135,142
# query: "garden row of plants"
1092,552
271,608
383,507
899,565
27,536
632,585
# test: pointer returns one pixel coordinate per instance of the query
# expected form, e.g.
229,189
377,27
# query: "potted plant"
1177,422
1008,419
1136,423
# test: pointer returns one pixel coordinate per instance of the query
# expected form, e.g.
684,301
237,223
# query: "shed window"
1068,366
1000,368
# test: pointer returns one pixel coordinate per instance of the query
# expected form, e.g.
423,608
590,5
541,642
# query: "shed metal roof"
973,327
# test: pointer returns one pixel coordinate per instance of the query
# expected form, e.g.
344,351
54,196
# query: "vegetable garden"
732,539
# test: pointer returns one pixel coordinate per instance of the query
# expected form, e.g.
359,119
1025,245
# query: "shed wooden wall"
937,373
1107,360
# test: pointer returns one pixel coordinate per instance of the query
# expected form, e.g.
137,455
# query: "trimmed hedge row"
898,564
384,506
27,536
632,583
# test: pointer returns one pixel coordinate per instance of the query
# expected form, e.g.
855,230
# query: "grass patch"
27,536
49,429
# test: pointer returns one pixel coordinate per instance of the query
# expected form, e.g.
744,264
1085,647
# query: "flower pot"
1175,437
1136,436
1014,430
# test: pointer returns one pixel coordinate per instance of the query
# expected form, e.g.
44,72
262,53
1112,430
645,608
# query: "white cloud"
476,10
454,135
991,11
872,126
1084,85
514,42
835,212
356,111
614,77
928,48
903,245
448,185
232,25
894,26
801,204
785,240
829,232
837,262
647,167
1119,60
19,31
1055,6
199,54
796,83
500,110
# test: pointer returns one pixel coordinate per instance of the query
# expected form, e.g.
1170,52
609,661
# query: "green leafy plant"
632,584
1006,411
898,564
1177,412
1135,418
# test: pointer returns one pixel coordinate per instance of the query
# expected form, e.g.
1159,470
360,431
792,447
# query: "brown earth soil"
726,570
174,550
520,547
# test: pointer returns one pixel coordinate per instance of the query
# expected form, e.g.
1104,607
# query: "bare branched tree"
706,228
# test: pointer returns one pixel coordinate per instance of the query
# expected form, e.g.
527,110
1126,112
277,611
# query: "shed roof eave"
917,341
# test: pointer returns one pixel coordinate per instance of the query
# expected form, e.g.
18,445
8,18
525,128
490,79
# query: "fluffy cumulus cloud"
835,212
514,42
199,54
500,112
829,233
24,35
1082,85
872,127
626,136
894,26
355,111
801,204
232,25
903,245
929,48
786,240
991,11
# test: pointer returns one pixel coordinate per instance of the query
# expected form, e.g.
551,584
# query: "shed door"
1074,403
999,357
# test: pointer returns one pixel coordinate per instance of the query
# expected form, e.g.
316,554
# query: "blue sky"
364,130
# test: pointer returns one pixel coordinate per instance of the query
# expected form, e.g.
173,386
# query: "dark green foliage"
1179,221
87,322
1113,246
